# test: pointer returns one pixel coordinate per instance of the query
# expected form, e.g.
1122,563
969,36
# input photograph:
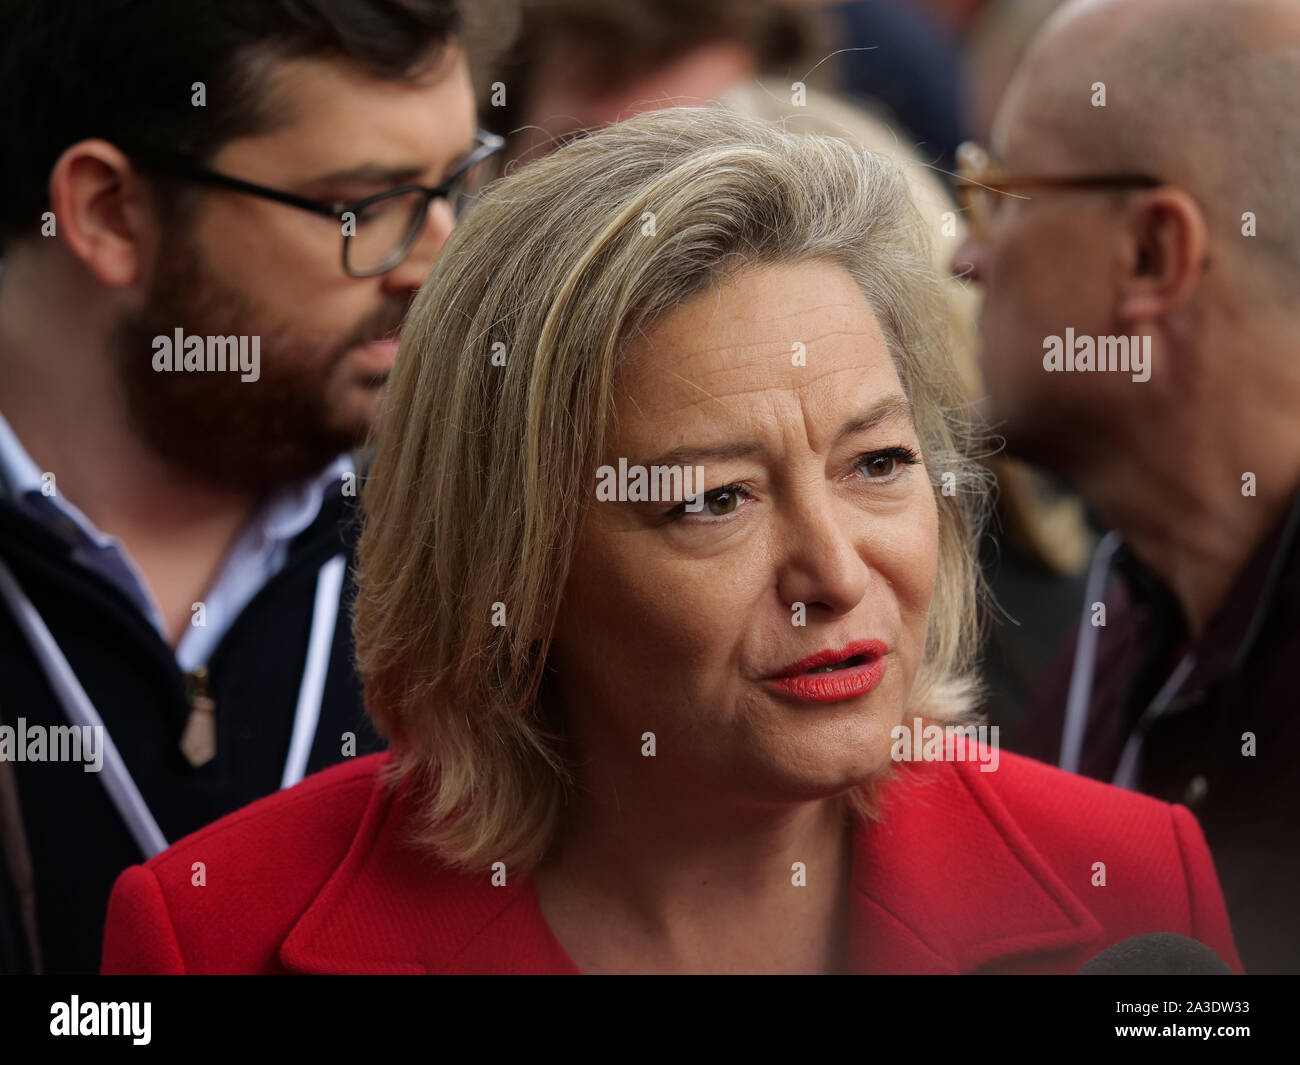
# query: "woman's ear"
103,212
1165,249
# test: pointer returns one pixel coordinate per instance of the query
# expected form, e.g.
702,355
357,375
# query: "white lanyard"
1085,656
1126,775
81,711
306,715
1085,660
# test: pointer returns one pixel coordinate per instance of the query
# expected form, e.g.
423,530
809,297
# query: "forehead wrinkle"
797,390
862,346
763,354
802,310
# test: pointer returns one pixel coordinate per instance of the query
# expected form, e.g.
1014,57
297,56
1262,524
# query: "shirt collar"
1269,580
17,470
23,481
291,509
257,554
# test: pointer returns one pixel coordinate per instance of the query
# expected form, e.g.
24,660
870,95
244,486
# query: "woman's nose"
821,562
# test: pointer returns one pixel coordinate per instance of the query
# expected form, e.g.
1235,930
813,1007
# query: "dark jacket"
76,839
1197,752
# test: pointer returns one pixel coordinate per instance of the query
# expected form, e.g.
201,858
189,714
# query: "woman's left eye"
887,464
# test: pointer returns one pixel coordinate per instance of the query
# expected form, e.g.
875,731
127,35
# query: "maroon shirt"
1244,680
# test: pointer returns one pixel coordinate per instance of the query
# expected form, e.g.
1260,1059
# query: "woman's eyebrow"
890,408
695,456
893,407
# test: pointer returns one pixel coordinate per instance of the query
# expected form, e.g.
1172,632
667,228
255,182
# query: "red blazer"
966,871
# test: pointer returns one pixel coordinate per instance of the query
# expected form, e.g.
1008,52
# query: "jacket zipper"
199,740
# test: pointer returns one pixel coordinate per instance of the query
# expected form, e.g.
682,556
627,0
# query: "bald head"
1204,94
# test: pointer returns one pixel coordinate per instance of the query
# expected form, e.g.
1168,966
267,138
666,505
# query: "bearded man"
175,546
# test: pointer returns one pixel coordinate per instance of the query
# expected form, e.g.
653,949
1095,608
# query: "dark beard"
247,436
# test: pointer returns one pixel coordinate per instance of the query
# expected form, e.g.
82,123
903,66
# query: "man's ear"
103,211
1166,244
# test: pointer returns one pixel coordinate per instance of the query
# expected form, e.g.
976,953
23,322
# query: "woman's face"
818,534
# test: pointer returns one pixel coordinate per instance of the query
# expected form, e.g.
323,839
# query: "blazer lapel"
946,882
389,909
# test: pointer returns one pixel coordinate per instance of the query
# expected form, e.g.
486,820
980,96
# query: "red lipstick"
839,674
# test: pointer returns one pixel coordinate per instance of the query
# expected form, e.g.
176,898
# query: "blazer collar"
931,880
388,908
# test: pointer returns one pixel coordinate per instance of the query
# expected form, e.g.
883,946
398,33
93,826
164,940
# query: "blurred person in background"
580,65
907,57
176,530
1141,187
994,41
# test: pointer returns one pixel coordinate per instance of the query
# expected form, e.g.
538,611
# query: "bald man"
1137,235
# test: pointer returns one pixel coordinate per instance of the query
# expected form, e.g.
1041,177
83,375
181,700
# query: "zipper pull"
199,740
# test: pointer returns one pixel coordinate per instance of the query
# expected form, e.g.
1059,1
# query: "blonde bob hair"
496,415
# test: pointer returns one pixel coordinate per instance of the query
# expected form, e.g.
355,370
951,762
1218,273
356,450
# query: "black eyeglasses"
378,231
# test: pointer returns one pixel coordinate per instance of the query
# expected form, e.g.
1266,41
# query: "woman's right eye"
719,503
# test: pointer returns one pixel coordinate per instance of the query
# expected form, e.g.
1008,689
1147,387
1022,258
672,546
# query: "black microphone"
1157,954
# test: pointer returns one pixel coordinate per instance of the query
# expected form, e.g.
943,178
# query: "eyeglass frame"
489,144
966,182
